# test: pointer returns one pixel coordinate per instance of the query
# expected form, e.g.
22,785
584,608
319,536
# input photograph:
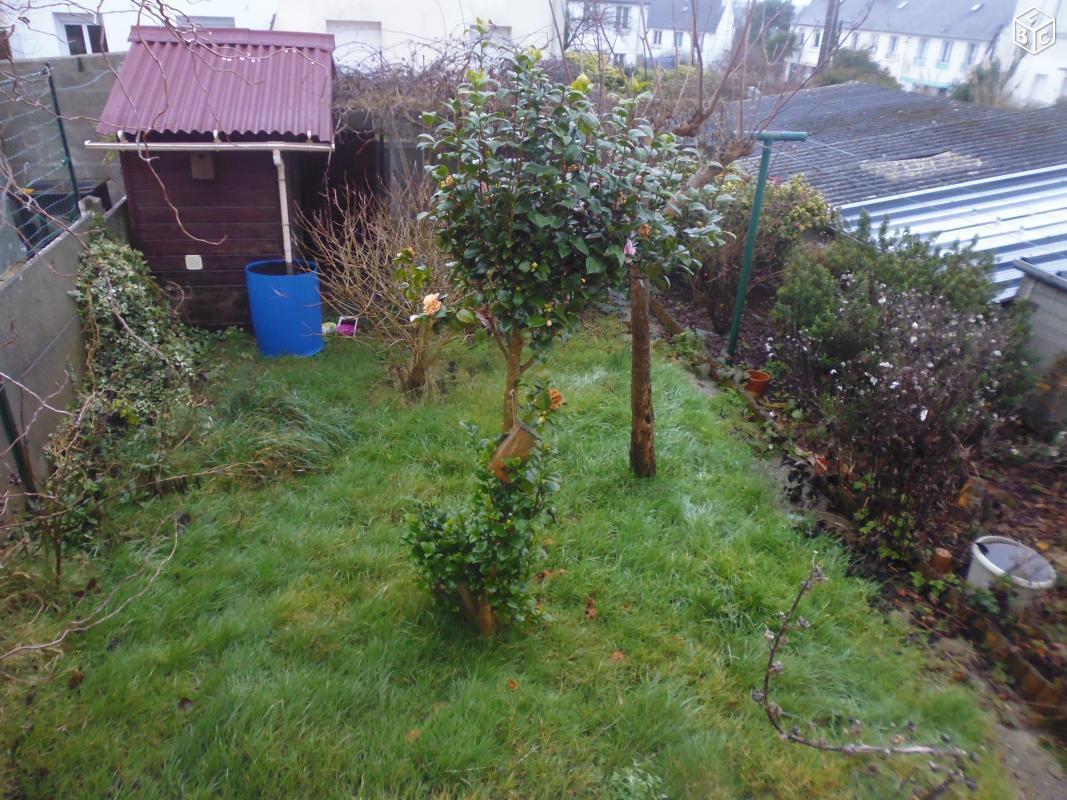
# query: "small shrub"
904,364
791,211
855,65
476,557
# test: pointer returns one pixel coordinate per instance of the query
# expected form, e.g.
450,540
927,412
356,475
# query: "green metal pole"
63,140
767,138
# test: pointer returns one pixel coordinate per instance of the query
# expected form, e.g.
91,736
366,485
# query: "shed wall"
228,220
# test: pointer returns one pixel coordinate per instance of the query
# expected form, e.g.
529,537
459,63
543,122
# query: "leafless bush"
356,241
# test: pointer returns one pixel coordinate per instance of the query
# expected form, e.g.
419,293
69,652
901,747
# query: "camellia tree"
544,204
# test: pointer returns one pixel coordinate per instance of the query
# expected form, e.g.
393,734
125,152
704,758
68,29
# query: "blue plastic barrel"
286,309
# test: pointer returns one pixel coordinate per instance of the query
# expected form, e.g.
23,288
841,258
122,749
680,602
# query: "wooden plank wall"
228,220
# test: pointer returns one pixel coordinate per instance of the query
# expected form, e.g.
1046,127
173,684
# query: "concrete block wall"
42,349
82,86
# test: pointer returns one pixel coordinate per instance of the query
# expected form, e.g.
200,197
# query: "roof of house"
1016,216
869,142
231,80
678,14
957,19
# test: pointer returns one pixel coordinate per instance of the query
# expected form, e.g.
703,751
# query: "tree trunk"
642,415
511,387
415,380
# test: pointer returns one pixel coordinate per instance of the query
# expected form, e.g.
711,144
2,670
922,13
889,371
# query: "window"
1063,87
679,37
206,22
872,43
972,53
815,37
920,51
657,37
946,54
622,18
855,41
355,40
81,34
1039,85
893,42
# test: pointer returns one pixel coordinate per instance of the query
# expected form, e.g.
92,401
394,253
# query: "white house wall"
1037,79
38,34
399,25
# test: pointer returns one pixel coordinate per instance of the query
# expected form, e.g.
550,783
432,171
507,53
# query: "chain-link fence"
40,197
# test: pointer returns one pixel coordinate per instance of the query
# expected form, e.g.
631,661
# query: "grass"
288,652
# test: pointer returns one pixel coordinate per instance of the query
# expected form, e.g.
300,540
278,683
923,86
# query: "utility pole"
829,33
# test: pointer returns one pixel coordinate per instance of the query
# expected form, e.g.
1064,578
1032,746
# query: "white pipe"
194,147
283,200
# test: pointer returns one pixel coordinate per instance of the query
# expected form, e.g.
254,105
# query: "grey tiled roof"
960,19
869,142
678,14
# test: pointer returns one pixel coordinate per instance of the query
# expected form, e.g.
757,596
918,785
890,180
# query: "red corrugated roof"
233,80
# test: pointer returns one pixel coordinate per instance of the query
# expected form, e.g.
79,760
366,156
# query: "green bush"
140,363
792,211
904,364
476,557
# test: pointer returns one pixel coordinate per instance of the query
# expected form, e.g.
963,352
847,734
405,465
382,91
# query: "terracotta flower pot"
757,382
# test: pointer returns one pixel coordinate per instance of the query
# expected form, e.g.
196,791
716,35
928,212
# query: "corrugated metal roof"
1017,216
233,80
869,142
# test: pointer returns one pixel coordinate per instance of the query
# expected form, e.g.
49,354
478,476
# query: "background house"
1041,78
927,46
642,32
362,28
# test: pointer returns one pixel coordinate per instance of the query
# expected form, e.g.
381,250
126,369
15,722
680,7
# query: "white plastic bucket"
996,558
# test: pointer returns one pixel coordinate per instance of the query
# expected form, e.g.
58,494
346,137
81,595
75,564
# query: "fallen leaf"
92,586
185,704
1043,546
590,608
618,656
513,684
413,734
76,679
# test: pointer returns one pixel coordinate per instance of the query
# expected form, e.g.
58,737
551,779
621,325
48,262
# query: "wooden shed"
223,134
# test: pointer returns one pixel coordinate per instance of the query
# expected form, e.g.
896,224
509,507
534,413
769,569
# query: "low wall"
42,350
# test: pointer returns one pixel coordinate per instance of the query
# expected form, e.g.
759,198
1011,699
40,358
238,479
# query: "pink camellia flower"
630,250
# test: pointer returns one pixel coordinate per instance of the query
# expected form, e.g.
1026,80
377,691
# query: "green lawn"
316,667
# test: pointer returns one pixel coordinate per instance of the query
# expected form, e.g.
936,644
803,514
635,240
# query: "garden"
497,541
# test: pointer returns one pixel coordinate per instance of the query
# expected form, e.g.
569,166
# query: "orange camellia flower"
643,230
431,304
555,399
448,182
